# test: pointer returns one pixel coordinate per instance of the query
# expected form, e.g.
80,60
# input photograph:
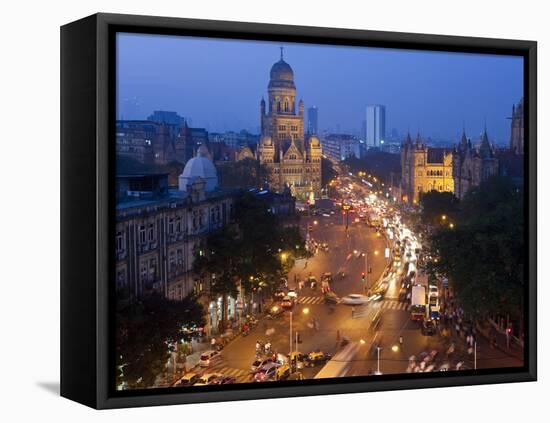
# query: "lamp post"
290,333
378,348
475,355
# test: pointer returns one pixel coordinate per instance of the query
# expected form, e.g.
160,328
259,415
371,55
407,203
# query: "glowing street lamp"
451,225
305,311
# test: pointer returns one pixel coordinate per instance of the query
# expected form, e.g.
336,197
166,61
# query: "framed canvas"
259,211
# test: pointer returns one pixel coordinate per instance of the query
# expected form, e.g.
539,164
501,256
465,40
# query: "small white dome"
199,167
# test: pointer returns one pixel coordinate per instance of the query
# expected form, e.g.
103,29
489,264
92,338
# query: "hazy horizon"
218,84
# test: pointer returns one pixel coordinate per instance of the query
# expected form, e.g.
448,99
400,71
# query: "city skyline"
221,91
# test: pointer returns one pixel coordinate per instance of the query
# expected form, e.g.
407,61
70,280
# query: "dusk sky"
218,84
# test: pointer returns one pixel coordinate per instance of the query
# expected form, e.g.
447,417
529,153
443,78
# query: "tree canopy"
438,207
143,330
483,254
256,251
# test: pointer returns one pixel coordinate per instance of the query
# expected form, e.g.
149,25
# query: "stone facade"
471,165
424,169
517,128
292,160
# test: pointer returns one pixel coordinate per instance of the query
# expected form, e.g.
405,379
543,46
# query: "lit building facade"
424,169
293,161
337,147
375,130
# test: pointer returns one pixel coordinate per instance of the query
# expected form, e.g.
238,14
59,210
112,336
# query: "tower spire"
282,48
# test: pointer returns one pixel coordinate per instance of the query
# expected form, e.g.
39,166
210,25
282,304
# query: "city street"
388,340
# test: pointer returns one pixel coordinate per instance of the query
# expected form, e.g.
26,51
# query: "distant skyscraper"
376,125
312,120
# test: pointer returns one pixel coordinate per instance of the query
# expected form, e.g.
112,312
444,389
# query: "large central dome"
281,71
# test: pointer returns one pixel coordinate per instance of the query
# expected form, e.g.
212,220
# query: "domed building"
201,167
293,161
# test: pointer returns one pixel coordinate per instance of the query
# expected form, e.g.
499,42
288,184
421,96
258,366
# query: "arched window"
286,105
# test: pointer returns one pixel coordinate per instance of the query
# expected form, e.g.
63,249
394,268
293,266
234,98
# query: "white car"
433,291
355,299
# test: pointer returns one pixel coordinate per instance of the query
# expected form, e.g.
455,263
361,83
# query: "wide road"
240,353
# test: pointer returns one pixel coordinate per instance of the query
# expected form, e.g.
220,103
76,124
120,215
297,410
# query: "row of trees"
254,253
479,245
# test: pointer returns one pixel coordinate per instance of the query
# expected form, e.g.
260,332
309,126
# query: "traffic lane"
394,323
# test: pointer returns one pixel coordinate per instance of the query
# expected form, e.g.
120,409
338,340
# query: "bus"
340,364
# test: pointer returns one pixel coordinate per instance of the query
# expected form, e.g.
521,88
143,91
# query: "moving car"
433,291
259,363
287,302
266,373
207,379
428,328
188,379
331,298
209,358
275,311
224,380
355,299
292,293
315,358
283,372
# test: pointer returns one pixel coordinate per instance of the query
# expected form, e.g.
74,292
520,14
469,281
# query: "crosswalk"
239,374
385,304
310,300
392,305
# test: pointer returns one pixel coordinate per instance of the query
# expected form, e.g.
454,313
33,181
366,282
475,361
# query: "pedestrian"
353,312
401,340
213,342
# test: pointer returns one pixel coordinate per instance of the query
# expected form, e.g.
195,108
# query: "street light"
305,311
284,256
451,225
444,217
395,348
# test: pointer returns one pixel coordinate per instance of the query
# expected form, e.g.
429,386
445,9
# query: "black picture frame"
87,193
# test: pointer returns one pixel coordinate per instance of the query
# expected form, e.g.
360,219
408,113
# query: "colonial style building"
424,169
516,133
292,160
473,165
158,230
